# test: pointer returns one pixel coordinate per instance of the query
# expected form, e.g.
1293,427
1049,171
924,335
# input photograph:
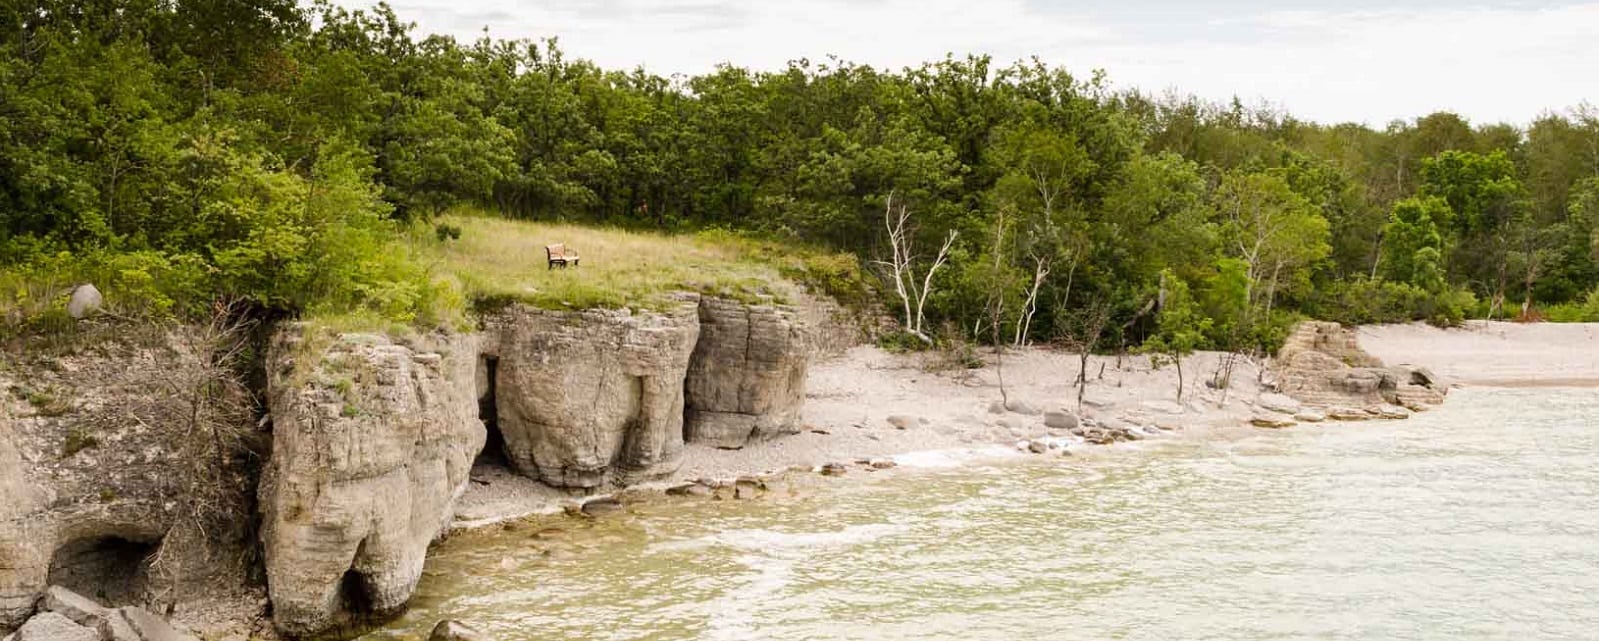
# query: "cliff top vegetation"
494,261
298,157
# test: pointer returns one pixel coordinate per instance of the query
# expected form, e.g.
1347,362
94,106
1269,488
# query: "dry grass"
498,261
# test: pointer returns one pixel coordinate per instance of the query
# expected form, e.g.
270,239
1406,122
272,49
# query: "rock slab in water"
85,300
600,506
451,630
1272,420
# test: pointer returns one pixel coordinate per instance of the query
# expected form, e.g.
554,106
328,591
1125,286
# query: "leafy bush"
1363,302
1586,311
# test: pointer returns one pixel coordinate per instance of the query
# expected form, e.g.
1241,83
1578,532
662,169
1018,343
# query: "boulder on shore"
1060,420
50,626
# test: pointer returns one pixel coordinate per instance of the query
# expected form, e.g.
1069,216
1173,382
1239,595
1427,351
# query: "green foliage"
1412,249
1180,325
301,156
78,440
1365,301
902,342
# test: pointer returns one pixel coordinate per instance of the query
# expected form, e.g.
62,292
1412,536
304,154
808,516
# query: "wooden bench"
558,254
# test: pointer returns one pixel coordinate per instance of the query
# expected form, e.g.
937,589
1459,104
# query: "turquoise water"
1476,521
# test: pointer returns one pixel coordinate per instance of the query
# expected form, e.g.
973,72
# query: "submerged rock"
451,630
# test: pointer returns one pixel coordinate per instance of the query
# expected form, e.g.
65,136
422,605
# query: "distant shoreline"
1494,353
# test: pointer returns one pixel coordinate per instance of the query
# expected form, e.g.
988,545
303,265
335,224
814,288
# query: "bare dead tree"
1087,327
902,267
996,305
1024,324
207,416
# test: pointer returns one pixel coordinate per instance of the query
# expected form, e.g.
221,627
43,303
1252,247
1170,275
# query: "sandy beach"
869,405
1494,353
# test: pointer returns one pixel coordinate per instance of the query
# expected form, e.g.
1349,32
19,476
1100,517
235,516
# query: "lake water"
1476,521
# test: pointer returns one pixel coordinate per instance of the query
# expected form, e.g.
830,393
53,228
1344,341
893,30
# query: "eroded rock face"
1322,365
594,397
96,459
372,443
23,563
746,380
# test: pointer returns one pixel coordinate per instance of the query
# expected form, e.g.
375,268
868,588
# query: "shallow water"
1476,521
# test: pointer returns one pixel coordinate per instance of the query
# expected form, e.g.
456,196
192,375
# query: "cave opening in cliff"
494,444
111,569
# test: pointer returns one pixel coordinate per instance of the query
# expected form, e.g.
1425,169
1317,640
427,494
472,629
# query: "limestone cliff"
104,451
367,442
372,443
1322,365
587,398
746,380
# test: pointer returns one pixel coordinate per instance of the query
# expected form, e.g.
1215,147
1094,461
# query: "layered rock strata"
1322,365
588,398
99,448
372,443
746,380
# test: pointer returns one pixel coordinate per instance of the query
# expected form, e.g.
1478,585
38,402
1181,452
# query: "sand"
950,415
1494,353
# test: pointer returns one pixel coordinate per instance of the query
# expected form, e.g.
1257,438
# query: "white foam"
944,459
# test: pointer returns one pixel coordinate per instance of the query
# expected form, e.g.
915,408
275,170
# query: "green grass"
490,263
497,262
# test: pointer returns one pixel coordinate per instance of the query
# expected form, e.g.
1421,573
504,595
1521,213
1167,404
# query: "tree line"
183,150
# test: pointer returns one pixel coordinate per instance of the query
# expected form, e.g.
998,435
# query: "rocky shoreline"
377,447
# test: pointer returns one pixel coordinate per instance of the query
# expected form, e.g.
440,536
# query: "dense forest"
175,152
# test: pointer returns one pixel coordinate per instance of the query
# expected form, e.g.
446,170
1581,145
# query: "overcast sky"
1355,60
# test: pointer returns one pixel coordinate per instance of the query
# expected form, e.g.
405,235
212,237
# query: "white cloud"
1325,64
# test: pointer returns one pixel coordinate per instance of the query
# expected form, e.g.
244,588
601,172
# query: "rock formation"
746,380
99,448
587,398
1322,365
372,443
372,440
23,563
